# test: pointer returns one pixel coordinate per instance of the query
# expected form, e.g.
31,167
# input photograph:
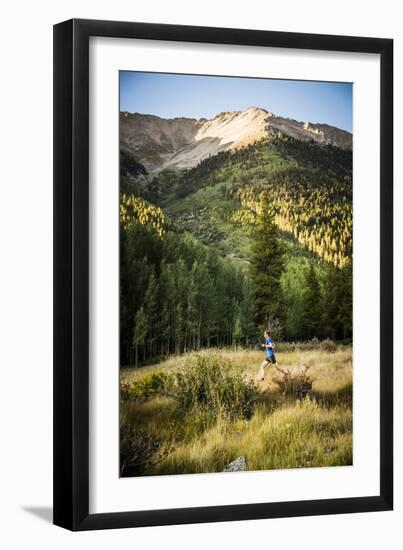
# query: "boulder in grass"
237,465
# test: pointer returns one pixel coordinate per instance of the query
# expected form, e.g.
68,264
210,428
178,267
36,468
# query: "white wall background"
26,272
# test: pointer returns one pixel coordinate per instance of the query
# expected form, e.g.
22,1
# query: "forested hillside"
309,187
176,294
257,236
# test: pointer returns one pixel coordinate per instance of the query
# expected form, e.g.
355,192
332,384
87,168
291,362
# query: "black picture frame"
71,274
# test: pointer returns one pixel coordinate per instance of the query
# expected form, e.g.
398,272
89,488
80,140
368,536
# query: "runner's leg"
261,370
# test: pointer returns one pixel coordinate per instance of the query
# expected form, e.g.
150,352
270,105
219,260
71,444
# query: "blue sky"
172,95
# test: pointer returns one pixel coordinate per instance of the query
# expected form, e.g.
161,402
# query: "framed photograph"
223,259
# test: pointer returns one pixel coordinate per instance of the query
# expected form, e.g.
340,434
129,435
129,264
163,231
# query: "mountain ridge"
181,143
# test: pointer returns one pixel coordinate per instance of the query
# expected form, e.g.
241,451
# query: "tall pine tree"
267,265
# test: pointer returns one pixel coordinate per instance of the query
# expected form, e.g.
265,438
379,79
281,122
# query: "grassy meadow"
197,412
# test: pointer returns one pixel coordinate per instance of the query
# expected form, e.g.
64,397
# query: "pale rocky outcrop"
237,465
180,143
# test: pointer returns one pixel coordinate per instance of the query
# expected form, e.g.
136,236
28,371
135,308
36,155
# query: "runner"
270,356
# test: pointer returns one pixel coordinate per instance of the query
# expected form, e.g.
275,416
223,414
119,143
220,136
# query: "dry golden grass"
282,433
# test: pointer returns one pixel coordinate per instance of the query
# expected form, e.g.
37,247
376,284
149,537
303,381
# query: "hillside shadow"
273,399
341,396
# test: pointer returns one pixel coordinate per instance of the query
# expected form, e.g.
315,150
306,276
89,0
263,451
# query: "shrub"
314,343
328,345
138,450
296,384
124,391
286,347
212,385
290,347
310,345
145,388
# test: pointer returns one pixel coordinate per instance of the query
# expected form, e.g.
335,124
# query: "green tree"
237,331
166,293
191,321
331,303
203,304
248,327
293,282
180,280
312,305
267,265
151,310
346,302
139,332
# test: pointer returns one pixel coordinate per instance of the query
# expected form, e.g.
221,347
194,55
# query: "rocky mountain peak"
179,143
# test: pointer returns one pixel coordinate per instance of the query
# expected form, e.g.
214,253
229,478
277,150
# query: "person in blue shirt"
270,356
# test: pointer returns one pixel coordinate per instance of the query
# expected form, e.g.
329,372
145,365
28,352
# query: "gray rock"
237,465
